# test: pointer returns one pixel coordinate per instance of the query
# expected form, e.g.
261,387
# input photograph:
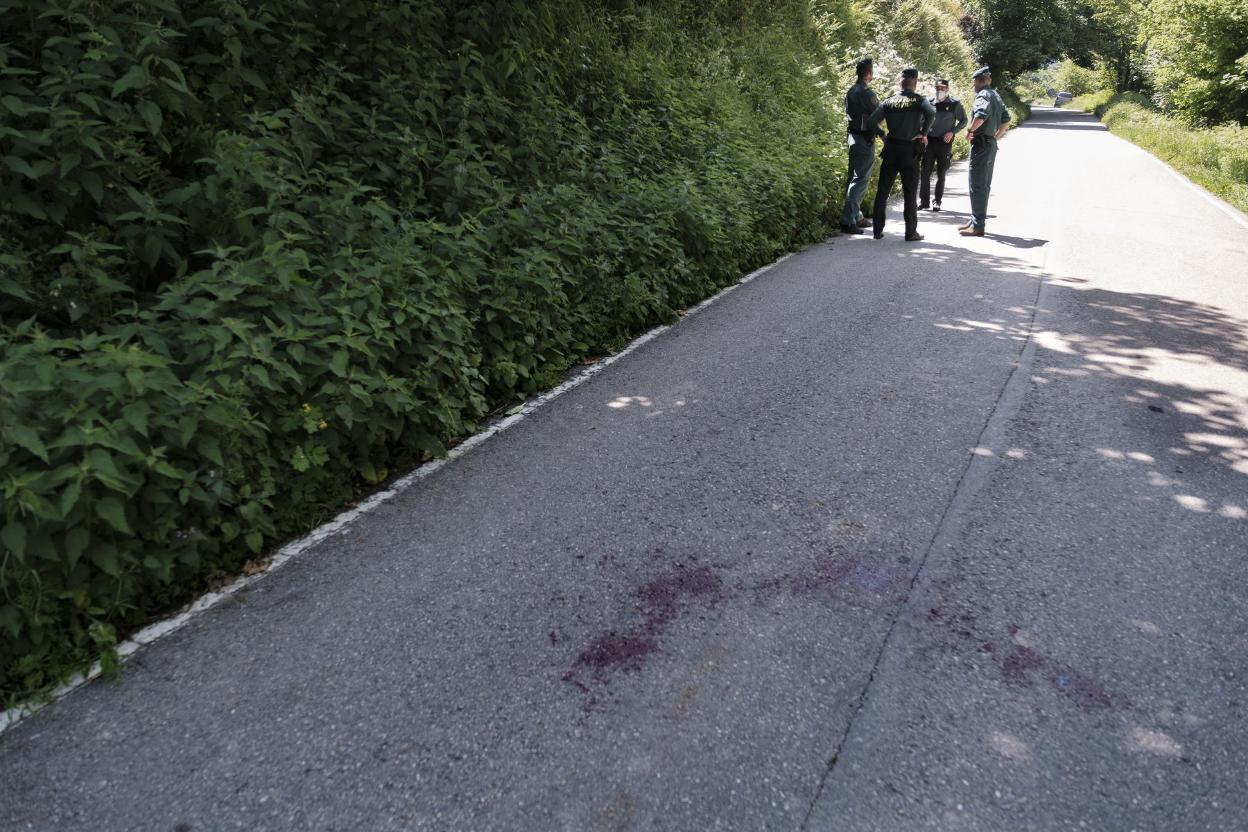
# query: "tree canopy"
1190,55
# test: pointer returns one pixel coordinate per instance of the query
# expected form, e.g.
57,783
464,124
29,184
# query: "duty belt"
903,142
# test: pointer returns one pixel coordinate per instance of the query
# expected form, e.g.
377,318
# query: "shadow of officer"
908,115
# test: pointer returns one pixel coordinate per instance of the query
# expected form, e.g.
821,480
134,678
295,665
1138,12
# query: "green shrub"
1196,58
1069,77
256,257
1092,102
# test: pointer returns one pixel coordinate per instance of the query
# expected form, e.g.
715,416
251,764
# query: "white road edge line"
154,632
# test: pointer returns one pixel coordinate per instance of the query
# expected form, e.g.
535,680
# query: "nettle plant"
255,258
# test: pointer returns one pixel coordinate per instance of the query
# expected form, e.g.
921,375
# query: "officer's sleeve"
959,115
875,103
873,122
929,116
982,103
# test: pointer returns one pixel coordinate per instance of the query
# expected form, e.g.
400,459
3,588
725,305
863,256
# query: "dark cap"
910,73
942,82
863,67
982,72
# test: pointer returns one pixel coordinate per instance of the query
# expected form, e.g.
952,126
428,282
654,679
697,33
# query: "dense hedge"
1214,157
255,257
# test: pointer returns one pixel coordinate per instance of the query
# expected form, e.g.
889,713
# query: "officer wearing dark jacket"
860,102
908,115
949,121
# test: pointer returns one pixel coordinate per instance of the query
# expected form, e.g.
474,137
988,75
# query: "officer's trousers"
899,159
983,158
937,155
861,160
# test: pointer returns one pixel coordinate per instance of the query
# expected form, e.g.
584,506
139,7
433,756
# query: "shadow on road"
1182,366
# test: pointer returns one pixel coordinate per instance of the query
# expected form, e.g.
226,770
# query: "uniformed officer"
950,119
989,121
908,115
860,102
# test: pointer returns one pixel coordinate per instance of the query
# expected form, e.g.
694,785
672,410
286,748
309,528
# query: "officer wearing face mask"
950,119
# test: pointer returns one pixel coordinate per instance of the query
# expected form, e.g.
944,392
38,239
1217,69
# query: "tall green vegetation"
256,257
1195,58
1190,56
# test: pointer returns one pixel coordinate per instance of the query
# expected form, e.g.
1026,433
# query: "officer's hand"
970,135
948,137
923,140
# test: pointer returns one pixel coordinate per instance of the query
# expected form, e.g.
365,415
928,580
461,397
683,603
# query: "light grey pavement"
856,548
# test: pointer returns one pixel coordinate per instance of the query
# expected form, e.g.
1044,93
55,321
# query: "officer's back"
906,114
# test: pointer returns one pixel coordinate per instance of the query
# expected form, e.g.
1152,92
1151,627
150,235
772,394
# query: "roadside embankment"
1215,158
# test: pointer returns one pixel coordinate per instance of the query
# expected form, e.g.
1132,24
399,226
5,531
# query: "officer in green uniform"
908,115
989,121
860,102
950,119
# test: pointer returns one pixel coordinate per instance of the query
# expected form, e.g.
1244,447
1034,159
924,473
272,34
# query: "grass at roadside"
1216,158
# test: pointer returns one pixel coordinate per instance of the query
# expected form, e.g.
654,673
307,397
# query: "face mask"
941,95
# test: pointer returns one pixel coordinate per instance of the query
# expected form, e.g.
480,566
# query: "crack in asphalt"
974,477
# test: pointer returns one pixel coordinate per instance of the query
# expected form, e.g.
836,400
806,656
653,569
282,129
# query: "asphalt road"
949,535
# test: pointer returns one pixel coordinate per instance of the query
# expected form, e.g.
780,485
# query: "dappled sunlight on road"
1188,363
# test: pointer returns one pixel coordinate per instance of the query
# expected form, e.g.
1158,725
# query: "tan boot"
970,231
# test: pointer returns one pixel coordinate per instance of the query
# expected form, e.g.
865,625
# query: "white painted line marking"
177,621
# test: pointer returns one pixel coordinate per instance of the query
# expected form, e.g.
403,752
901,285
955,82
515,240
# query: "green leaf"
209,447
76,543
69,497
338,362
93,184
19,165
135,415
151,114
152,248
27,206
254,541
11,620
299,460
101,461
134,78
105,557
252,77
112,511
70,161
13,536
18,107
28,439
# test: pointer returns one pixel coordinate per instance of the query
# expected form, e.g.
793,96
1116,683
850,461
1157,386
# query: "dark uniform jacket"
908,115
950,117
860,103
